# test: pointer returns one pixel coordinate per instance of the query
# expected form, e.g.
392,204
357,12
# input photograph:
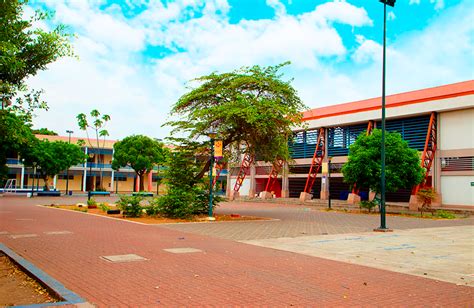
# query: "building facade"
441,116
86,176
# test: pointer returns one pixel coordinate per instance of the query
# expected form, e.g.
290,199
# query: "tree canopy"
52,157
403,168
251,106
24,51
44,131
139,152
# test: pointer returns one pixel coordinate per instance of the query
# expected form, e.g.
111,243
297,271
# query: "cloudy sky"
136,56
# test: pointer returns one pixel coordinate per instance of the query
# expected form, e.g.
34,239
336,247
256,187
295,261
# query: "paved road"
69,245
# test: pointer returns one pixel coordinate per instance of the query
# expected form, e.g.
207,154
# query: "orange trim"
396,100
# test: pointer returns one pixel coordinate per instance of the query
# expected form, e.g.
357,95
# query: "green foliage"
251,106
96,124
153,209
363,167
15,137
369,205
130,205
24,51
445,214
103,207
44,131
184,198
91,202
51,158
426,196
139,152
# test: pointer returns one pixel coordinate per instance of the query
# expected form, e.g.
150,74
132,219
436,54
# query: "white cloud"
279,7
438,4
113,76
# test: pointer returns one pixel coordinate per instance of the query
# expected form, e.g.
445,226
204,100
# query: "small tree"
52,158
363,167
97,125
184,198
139,152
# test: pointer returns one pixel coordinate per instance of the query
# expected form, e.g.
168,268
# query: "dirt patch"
159,219
17,288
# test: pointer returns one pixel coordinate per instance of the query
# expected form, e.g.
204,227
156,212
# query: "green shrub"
91,202
103,207
130,205
369,205
186,196
154,208
445,214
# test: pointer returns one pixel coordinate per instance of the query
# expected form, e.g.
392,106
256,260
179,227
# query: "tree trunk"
142,184
46,185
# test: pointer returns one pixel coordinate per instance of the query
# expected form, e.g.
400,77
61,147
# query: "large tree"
363,168
139,152
26,49
250,107
51,158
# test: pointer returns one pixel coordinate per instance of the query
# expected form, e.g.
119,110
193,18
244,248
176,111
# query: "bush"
130,205
103,207
445,214
369,205
153,209
426,196
91,203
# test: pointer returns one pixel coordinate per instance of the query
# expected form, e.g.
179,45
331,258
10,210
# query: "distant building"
86,176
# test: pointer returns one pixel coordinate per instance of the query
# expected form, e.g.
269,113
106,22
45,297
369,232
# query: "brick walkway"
296,220
225,273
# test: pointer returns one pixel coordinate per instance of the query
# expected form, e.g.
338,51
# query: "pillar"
285,182
22,179
253,183
85,172
137,184
55,181
150,180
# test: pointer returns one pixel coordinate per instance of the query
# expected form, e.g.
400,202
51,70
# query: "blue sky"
136,57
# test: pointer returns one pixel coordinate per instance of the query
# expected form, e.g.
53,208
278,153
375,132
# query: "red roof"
406,98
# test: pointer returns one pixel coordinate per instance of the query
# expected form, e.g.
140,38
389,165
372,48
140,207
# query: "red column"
150,181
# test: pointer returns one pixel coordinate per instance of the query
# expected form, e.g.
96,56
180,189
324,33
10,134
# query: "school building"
438,122
86,176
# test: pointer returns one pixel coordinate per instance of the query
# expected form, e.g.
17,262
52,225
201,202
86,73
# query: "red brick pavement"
226,273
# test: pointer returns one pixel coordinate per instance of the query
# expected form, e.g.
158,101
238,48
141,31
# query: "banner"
218,144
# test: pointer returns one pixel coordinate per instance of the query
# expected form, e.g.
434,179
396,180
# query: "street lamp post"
67,171
212,136
383,226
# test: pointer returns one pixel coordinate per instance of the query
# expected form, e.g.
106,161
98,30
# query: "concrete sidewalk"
445,254
78,250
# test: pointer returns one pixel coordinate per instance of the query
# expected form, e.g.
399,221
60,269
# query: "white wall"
457,190
456,130
244,189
